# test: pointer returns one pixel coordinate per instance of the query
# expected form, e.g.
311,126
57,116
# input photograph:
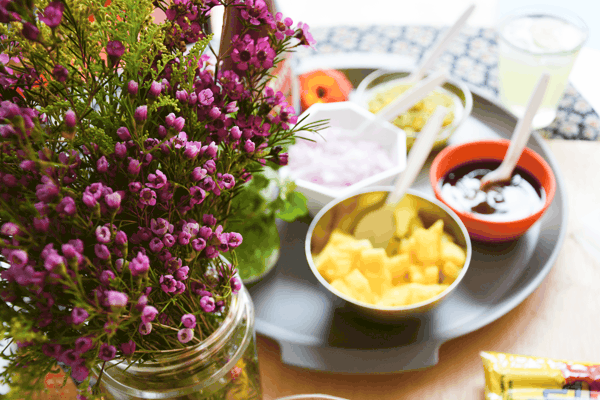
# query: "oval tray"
316,330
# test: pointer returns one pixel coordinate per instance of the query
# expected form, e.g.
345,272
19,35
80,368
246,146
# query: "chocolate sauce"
509,201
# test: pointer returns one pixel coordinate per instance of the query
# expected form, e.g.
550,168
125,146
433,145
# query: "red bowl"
485,150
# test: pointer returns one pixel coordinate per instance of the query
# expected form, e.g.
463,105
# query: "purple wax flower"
102,164
78,244
145,329
180,140
141,113
208,184
236,284
207,303
116,299
121,238
134,167
83,344
198,244
128,348
182,273
168,240
209,219
193,98
214,113
148,197
234,239
101,251
106,276
211,252
70,118
30,31
18,258
205,232
69,357
148,314
167,283
191,150
115,50
227,181
182,96
145,234
141,303
103,234
123,133
232,107
162,132
235,132
80,372
135,187
156,245
89,200
79,315
178,124
159,226
264,53
155,89
210,151
282,159
179,287
132,87
9,229
60,73
52,14
198,174
189,321
205,97
95,189
41,224
66,206
183,238
170,119
113,200
107,352
249,146
185,335
139,265
156,181
197,195
120,150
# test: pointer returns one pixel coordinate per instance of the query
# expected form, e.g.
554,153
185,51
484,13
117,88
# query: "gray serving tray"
317,330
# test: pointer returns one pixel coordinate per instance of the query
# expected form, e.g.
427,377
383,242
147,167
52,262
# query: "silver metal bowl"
381,80
343,214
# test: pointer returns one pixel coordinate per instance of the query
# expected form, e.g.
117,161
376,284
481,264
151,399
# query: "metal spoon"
519,137
379,225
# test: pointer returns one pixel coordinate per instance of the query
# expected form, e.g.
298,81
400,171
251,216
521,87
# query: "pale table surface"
559,320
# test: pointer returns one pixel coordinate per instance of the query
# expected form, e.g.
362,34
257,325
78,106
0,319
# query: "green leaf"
294,208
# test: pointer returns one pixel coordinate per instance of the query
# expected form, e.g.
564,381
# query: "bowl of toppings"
340,158
420,266
381,87
501,212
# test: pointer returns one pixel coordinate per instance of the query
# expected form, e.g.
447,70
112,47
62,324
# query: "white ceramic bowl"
348,116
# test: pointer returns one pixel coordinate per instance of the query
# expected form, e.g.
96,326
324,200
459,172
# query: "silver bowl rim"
413,307
460,85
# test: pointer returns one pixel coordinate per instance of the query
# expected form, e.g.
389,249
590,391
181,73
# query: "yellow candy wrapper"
516,377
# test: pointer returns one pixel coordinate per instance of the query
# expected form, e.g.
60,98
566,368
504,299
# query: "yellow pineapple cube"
431,275
450,271
415,274
420,292
372,260
427,243
333,264
397,266
341,287
397,296
454,253
359,285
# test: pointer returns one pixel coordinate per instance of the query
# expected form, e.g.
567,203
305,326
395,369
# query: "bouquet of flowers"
121,149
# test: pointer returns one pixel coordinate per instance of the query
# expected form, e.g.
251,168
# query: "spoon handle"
418,154
403,103
523,130
442,45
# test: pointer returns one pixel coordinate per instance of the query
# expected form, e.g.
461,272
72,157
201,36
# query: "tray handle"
343,360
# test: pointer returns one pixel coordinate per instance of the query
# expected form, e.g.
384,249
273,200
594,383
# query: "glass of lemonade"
531,41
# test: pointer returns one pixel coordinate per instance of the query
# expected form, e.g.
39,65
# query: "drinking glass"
531,41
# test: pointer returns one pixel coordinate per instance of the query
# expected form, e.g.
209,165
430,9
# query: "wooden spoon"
441,46
519,137
379,225
403,103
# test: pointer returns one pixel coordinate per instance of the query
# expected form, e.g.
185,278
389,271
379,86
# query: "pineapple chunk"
431,275
372,261
397,266
359,285
454,253
450,271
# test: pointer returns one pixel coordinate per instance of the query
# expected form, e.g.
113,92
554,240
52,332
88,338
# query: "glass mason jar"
223,367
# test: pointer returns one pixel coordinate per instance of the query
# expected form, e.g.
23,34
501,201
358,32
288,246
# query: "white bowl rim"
412,307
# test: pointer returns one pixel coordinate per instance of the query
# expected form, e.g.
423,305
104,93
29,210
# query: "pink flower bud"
70,118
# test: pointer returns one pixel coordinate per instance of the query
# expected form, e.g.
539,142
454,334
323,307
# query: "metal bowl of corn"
381,87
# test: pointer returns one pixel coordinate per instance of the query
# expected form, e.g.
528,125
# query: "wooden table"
559,320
